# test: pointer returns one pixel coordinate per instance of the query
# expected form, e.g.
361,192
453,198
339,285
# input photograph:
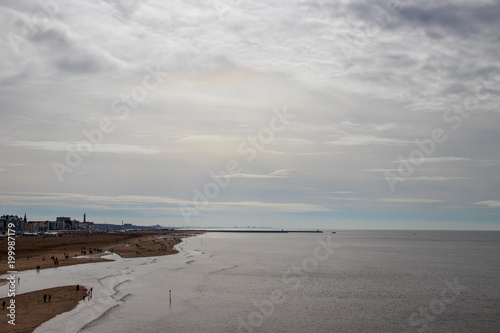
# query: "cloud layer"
302,113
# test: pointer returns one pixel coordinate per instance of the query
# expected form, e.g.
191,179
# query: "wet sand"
33,251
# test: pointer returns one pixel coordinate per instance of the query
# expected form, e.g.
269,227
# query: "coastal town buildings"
19,222
63,224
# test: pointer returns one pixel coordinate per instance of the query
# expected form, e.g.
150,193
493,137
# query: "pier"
254,231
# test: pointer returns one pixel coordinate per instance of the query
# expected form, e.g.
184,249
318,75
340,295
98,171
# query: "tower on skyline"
84,217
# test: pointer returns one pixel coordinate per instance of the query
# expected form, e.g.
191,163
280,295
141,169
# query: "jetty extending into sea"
255,231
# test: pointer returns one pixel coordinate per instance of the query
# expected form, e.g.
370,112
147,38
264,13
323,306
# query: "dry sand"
33,251
31,311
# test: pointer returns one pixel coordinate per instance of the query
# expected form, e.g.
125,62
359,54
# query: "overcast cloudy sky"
289,114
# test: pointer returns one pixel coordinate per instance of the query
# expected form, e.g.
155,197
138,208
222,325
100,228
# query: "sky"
232,113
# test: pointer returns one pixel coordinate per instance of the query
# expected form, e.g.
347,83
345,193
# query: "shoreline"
53,252
64,250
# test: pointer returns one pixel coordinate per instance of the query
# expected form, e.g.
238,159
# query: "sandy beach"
51,251
72,249
32,311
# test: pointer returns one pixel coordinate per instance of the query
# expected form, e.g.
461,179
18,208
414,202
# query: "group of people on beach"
56,260
163,247
84,250
45,298
88,293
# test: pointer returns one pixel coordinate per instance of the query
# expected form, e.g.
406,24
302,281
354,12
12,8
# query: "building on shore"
19,223
64,224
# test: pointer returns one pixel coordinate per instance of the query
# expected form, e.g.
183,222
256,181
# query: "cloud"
358,140
462,20
444,159
270,206
349,199
250,175
380,170
409,200
282,173
72,146
436,178
203,138
489,203
145,203
363,79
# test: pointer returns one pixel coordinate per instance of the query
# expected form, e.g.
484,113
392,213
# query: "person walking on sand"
45,298
3,305
50,298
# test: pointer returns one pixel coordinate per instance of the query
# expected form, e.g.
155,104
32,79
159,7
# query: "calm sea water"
351,281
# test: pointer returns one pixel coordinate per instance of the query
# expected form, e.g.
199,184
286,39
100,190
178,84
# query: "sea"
348,281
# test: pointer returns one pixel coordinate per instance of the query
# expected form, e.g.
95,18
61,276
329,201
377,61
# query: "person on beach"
50,298
45,298
77,287
3,305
